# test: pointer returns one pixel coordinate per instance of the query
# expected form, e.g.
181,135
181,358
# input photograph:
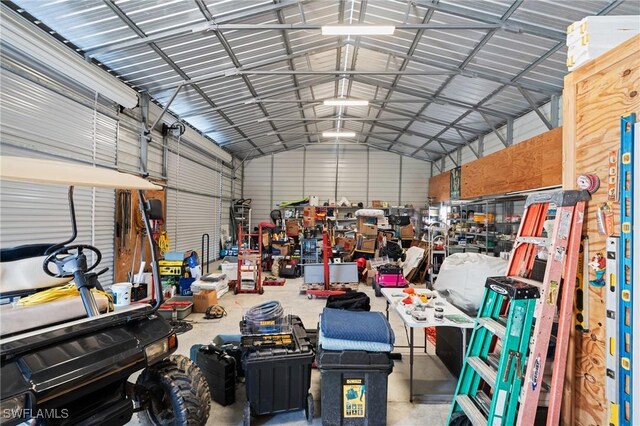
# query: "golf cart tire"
182,384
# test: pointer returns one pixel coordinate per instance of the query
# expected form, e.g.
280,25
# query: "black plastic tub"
353,386
278,379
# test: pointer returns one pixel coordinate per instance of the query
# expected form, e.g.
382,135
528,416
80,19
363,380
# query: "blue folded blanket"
351,345
356,325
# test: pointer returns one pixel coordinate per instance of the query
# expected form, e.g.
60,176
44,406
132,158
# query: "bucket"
121,294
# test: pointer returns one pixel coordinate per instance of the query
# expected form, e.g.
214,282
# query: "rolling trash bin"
277,371
353,387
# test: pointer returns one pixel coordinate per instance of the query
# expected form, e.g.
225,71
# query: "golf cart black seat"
23,252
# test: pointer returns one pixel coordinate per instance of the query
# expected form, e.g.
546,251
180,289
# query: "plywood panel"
595,97
125,249
534,163
439,187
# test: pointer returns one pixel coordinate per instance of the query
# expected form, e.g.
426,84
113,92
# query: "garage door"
72,132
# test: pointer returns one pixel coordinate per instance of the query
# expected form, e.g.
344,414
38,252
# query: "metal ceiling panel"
457,66
153,16
444,112
554,14
468,89
426,128
197,54
84,24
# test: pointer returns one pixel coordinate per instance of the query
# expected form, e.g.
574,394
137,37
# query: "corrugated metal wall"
361,174
45,115
42,119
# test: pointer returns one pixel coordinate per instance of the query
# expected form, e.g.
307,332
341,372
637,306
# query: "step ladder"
504,339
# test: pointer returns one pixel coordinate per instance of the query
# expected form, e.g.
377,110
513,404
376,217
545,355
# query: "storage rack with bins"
495,221
242,217
427,216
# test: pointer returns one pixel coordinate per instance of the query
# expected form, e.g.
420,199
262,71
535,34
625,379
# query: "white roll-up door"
39,122
194,190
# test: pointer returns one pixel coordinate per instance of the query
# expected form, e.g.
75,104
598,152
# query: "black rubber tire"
178,393
376,288
309,410
246,414
235,289
460,419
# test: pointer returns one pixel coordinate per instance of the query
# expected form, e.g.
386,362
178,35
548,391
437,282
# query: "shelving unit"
484,226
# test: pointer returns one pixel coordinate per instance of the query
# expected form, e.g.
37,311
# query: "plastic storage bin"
183,305
353,386
278,379
219,368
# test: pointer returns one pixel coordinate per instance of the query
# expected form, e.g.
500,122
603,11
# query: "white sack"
463,276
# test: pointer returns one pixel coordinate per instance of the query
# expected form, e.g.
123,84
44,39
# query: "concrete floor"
429,373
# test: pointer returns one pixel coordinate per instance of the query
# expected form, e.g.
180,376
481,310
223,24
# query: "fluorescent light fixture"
31,41
346,102
358,29
341,134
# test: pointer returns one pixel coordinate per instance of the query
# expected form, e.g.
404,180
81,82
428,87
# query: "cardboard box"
309,217
292,227
376,203
204,299
364,220
347,244
406,231
368,230
368,244
280,249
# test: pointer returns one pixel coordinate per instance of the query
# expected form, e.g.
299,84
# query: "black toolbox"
278,378
353,387
219,369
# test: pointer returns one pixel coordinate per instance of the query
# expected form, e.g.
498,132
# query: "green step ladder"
496,354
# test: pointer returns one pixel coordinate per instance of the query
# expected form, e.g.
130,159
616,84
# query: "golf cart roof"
60,172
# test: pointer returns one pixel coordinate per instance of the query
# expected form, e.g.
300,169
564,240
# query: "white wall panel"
320,173
287,167
352,174
384,176
415,182
257,178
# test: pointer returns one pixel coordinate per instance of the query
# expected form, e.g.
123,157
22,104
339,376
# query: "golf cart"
69,360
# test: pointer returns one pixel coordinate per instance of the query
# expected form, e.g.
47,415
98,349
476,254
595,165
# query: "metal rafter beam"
478,47
477,15
495,131
132,25
528,68
405,62
430,97
533,105
419,134
231,72
250,100
292,67
188,29
227,48
544,89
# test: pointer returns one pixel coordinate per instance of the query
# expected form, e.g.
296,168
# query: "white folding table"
394,297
